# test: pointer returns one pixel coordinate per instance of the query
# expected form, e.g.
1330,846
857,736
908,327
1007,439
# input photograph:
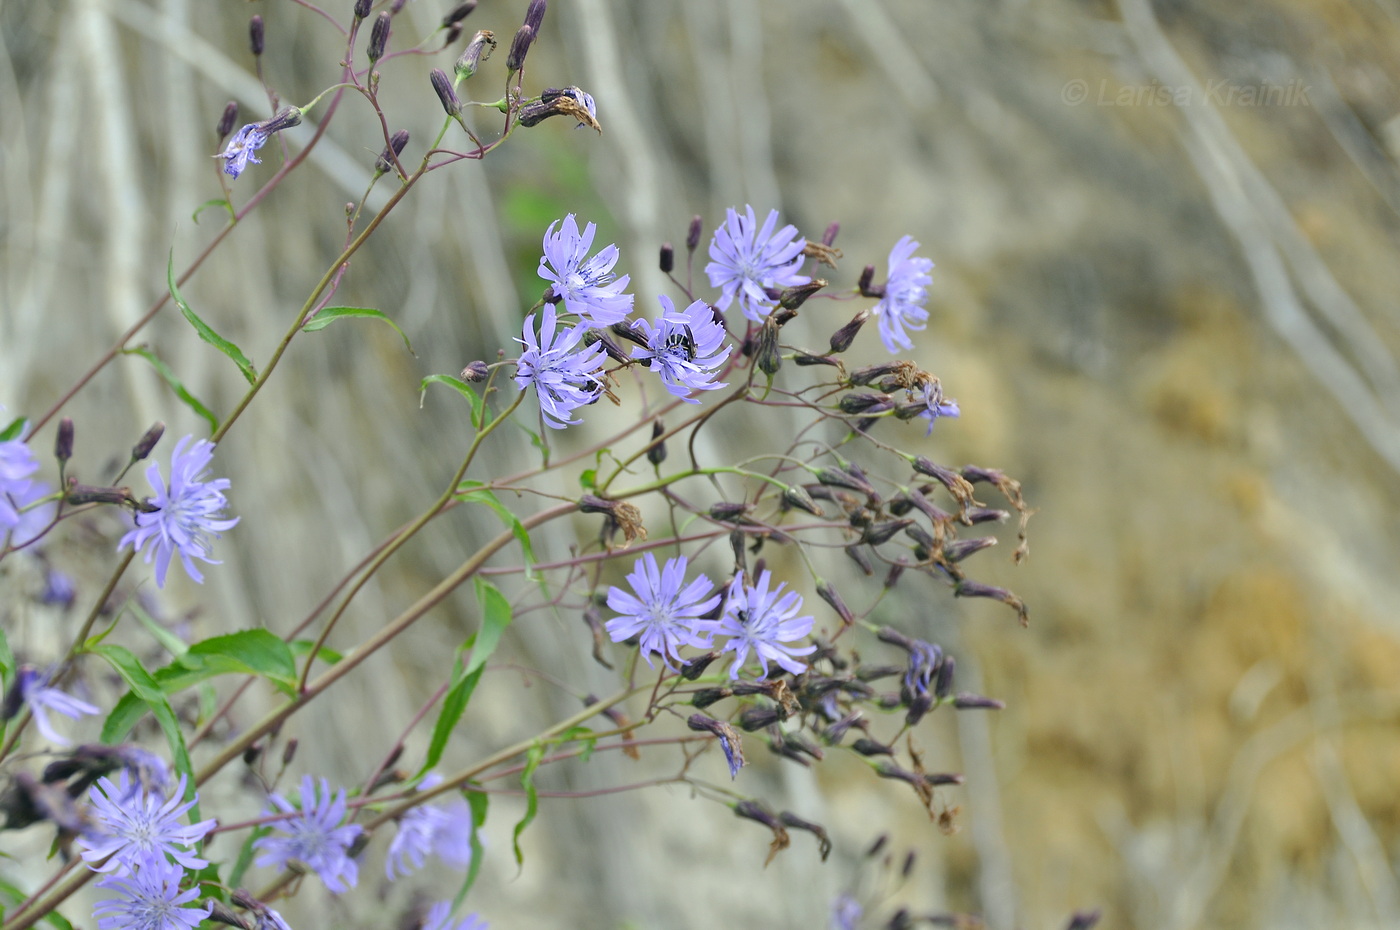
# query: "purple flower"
685,347
760,620
935,406
189,511
133,828
846,913
665,611
445,830
585,285
18,491
239,151
905,293
34,690
565,380
314,836
439,917
149,899
748,260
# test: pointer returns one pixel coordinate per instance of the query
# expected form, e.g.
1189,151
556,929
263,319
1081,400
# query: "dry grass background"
1176,324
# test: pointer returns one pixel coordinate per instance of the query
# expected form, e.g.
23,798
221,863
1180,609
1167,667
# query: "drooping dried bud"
692,236
975,515
844,478
668,258
534,15
807,359
362,8
519,48
442,84
459,13
861,558
957,485
794,297
256,35
476,372
966,700
842,339
888,634
385,162
379,36
63,442
878,534
959,549
77,494
765,353
728,738
967,588
656,452
829,594
477,51
789,819
783,315
866,283
227,120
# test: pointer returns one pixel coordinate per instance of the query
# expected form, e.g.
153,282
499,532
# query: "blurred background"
1165,297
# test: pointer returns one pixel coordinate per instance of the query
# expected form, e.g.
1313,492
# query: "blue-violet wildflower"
746,261
314,836
133,828
665,612
905,293
564,379
18,491
439,917
761,620
34,691
846,913
239,151
190,511
685,347
149,899
936,405
445,830
585,285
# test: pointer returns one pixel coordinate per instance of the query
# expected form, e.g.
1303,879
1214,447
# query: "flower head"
18,491
34,691
133,828
429,828
585,285
189,511
905,293
746,260
239,151
149,899
936,405
564,379
686,347
761,620
846,913
314,836
665,611
439,917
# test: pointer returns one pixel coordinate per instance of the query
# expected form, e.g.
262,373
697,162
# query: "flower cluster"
563,378
313,836
905,292
443,830
747,261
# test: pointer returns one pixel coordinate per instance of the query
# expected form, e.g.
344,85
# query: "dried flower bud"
476,372
256,35
877,534
290,752
442,84
794,495
707,696
692,235
251,754
459,13
668,258
829,594
842,339
478,50
362,8
966,588
756,718
223,914
534,15
888,634
727,511
696,667
227,120
865,402
896,571
844,478
656,452
147,442
765,351
728,740
869,747
806,359
76,494
794,297
959,549
610,346
943,684
861,558
379,36
63,442
519,48
866,284
736,545
789,819
956,484
385,162
966,700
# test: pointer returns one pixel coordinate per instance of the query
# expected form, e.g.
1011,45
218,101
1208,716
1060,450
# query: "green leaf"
168,640
328,315
476,492
532,798
205,331
176,385
249,652
144,687
495,617
7,662
15,895
14,430
588,479
301,648
216,202
479,801
581,735
461,387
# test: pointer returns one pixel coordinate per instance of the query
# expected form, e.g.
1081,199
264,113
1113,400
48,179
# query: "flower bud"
869,747
959,549
877,534
736,545
226,121
519,48
795,495
974,515
63,442
866,403
967,588
696,667
668,258
85,494
861,558
458,13
867,276
362,8
829,236
147,442
829,594
966,700
289,752
1084,920
766,354
255,35
379,36
692,236
841,339
610,346
793,297
476,372
656,452
477,51
385,162
534,15
221,913
728,740
756,718
806,359
442,84
956,484
727,511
